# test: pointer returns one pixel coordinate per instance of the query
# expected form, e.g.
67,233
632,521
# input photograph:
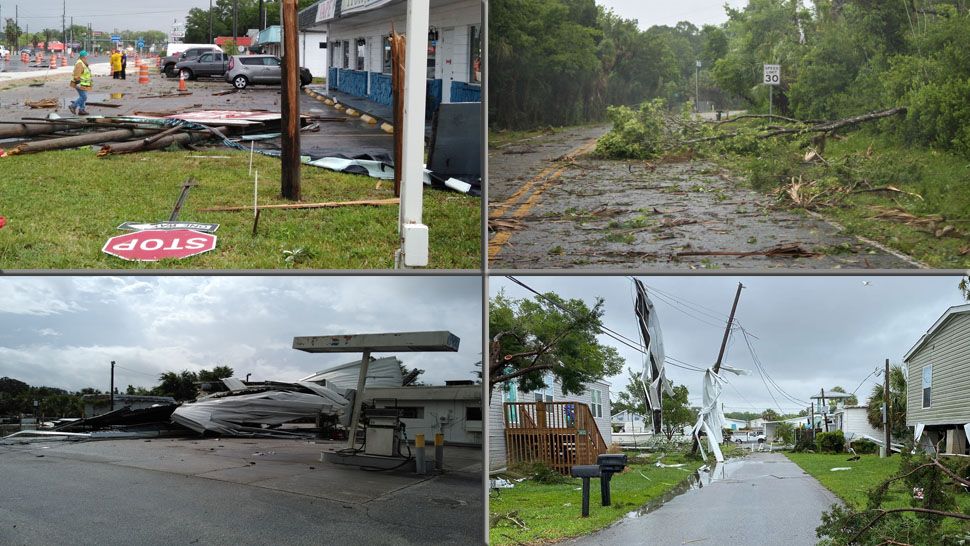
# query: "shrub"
830,442
539,472
865,447
804,442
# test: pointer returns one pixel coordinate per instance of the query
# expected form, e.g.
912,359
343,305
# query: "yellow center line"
501,238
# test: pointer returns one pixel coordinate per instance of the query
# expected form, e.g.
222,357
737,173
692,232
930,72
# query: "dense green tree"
533,337
897,403
676,412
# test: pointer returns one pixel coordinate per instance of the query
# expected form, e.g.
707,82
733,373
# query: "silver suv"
246,70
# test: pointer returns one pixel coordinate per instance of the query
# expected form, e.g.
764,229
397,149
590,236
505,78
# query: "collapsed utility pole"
290,179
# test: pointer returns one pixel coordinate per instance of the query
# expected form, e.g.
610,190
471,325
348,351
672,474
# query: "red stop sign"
157,244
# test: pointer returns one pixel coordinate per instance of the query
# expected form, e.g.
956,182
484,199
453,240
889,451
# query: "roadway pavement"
762,499
338,133
229,491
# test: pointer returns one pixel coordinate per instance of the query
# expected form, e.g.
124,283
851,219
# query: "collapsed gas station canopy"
395,342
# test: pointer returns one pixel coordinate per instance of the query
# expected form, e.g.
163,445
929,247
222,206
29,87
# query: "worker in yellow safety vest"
82,82
116,65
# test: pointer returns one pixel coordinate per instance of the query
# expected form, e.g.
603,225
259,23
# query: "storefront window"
432,51
475,39
386,54
361,52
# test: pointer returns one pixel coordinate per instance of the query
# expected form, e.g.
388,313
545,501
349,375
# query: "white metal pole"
358,398
414,234
771,94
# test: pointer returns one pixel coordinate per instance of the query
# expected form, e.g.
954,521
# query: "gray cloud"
103,15
150,325
812,332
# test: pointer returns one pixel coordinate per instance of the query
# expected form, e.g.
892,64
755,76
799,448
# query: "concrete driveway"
762,498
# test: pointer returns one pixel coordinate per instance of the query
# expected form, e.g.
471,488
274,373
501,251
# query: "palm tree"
897,403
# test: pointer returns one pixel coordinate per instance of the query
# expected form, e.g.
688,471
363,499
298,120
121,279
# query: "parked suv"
246,70
209,64
168,63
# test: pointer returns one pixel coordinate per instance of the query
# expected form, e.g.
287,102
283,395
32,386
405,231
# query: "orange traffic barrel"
53,61
63,60
143,73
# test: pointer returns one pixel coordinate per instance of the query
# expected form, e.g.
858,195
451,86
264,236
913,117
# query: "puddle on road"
705,476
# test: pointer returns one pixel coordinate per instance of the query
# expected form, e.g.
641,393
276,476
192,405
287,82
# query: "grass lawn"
852,486
61,208
552,512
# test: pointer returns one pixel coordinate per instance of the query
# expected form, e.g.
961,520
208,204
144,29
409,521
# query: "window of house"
475,56
927,385
473,413
411,412
596,399
346,50
323,45
432,55
361,53
386,54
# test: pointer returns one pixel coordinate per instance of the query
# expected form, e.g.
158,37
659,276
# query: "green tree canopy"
676,411
531,337
897,403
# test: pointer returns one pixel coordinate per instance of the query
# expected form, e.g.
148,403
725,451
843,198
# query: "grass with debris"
61,208
551,511
914,200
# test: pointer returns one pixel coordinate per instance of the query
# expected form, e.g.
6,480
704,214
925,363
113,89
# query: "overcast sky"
64,331
813,332
664,12
104,15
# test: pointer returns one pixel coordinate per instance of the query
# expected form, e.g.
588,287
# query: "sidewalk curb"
384,125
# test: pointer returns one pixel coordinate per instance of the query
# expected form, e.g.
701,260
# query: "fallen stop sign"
157,244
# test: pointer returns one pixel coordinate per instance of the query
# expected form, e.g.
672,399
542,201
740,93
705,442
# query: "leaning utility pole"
290,179
825,412
727,329
885,411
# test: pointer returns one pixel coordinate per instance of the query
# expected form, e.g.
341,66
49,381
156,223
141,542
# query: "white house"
735,424
596,396
854,423
629,422
455,411
358,35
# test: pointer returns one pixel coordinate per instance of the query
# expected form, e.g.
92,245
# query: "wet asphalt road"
338,133
558,208
126,494
761,499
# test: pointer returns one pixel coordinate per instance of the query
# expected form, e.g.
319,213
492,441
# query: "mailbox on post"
606,465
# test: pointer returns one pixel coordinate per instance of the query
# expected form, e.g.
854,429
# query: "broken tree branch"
827,127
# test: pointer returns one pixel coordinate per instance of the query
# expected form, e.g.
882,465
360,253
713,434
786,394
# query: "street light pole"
210,21
697,93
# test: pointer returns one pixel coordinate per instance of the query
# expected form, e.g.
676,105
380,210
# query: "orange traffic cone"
143,73
182,87
53,62
63,60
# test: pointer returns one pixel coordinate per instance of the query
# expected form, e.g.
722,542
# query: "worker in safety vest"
82,82
116,65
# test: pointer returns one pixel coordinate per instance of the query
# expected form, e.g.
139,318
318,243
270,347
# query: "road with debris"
762,498
338,134
553,206
229,491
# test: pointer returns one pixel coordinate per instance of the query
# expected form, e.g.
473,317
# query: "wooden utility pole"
398,48
291,103
825,412
727,329
112,386
724,340
885,411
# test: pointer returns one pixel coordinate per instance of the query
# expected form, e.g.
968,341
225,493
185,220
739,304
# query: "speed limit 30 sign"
773,74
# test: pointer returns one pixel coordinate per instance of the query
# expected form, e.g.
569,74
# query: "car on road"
4,51
211,64
168,63
246,70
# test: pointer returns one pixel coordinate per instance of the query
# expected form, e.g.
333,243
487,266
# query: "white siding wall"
854,421
451,413
948,351
311,56
458,16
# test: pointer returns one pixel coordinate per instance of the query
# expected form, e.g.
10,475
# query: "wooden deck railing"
560,434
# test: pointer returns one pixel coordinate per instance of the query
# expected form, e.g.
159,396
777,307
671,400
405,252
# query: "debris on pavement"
792,250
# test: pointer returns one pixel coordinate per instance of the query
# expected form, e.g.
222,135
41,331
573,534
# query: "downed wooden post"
156,144
398,45
331,204
32,129
78,140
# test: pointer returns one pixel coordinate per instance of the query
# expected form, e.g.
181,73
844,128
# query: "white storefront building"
358,47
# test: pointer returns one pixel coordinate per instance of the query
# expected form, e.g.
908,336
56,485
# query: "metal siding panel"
949,353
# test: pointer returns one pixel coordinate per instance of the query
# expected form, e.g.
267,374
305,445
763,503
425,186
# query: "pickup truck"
168,63
208,65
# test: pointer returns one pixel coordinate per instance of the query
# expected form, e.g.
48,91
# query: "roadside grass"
553,511
498,138
846,187
61,208
852,486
